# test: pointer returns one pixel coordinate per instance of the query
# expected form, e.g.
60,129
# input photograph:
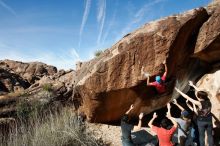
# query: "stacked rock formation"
32,81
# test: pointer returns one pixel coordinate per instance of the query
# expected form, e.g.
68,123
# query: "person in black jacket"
127,127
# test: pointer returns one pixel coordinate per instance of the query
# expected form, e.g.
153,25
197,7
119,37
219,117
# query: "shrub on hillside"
98,53
47,87
26,109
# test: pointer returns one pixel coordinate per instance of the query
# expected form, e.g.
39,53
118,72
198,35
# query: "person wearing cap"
159,81
184,123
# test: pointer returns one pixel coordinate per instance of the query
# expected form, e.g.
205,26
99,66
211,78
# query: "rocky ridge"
32,83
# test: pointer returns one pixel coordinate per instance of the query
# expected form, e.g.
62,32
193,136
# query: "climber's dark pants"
205,126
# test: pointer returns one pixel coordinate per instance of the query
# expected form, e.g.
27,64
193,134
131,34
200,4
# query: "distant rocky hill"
19,76
33,81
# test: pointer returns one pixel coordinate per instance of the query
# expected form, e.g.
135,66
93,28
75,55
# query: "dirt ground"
112,134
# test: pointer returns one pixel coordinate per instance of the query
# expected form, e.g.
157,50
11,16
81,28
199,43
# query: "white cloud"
101,18
84,19
8,8
145,8
74,53
111,23
61,59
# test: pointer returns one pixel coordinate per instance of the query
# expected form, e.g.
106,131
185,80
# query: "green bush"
98,53
47,87
23,108
27,109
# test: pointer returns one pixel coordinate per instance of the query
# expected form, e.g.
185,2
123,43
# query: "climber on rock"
127,127
159,82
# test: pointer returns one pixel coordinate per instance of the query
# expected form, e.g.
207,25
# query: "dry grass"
16,94
57,129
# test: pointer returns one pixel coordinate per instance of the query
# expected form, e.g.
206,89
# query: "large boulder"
208,43
107,85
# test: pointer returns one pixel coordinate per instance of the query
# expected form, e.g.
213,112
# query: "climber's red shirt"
164,135
160,86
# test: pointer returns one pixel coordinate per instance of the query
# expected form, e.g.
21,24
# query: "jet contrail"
75,54
101,18
111,23
7,8
85,16
101,9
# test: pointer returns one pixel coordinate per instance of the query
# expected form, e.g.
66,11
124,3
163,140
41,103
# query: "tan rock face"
208,42
17,76
211,84
29,71
11,82
109,84
51,91
32,81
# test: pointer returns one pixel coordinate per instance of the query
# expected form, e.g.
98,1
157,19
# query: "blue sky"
61,32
